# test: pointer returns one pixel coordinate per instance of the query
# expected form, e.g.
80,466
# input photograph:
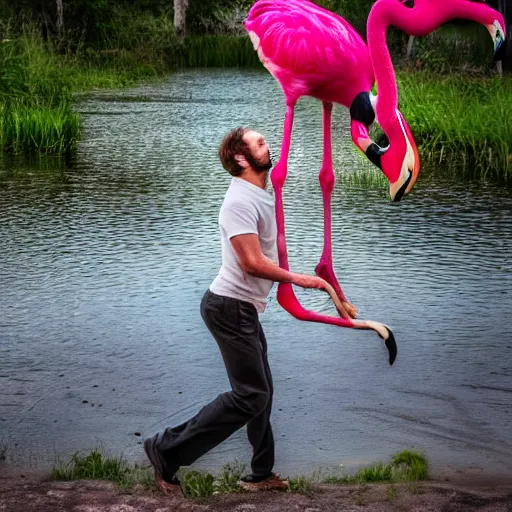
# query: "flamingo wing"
296,39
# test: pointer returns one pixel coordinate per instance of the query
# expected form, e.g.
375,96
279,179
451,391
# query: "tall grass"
461,122
97,466
220,51
43,129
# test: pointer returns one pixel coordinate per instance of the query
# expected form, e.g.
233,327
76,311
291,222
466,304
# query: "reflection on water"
104,260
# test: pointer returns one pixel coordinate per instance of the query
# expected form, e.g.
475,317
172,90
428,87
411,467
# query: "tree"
180,17
60,16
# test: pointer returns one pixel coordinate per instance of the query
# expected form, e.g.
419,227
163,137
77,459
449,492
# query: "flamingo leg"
285,294
324,269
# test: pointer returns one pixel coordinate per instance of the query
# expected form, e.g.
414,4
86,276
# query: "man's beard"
259,168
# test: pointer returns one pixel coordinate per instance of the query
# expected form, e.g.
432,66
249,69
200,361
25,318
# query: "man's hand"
307,281
345,309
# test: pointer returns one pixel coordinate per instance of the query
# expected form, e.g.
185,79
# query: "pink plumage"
310,51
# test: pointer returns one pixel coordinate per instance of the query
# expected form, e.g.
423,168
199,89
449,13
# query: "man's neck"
256,178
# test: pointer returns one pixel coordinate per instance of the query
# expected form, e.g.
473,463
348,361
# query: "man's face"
257,154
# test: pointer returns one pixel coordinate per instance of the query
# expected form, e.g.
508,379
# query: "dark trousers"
236,328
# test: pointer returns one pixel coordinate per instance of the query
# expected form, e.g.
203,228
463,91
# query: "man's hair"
233,144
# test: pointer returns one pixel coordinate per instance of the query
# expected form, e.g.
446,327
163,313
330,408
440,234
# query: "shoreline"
459,493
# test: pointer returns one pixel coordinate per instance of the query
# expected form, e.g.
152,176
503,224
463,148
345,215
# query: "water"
104,260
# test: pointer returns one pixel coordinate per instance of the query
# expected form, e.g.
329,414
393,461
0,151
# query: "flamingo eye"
408,3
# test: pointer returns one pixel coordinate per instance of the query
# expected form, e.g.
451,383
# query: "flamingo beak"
499,39
410,166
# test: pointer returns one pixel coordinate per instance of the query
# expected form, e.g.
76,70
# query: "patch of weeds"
230,475
378,472
196,484
300,484
340,480
405,466
410,465
96,466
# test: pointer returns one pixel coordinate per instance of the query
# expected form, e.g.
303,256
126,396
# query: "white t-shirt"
246,209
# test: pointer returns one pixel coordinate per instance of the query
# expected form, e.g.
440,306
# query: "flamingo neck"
387,102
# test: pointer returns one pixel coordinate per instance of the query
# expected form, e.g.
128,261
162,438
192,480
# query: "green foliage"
196,484
410,465
227,481
460,121
406,466
220,51
96,466
214,17
29,74
453,48
354,11
43,129
368,177
301,484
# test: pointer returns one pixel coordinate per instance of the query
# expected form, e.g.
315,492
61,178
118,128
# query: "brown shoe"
272,482
173,490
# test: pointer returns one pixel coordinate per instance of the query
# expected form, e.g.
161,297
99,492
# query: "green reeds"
461,123
38,128
220,51
365,178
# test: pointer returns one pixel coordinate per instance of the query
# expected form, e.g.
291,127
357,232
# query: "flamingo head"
421,17
400,162
398,159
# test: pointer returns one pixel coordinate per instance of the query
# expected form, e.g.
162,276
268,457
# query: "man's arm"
255,263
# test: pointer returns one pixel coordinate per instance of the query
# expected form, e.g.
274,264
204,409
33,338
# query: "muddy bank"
462,494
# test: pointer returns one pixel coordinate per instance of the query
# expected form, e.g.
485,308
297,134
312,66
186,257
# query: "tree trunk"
409,46
60,16
180,17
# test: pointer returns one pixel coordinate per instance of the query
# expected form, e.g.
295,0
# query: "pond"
104,259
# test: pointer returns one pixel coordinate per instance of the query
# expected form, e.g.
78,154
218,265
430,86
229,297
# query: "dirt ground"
30,493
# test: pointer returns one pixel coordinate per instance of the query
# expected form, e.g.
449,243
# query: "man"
230,310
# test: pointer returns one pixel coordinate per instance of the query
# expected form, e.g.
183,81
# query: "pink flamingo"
314,52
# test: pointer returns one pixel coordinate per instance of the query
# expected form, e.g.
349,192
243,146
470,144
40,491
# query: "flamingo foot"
391,346
324,271
350,309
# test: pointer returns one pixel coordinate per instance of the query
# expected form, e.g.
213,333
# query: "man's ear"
241,161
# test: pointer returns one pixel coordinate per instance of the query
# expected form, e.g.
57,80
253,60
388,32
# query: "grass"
301,484
97,466
43,129
200,484
227,480
197,484
370,178
220,51
406,466
460,122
